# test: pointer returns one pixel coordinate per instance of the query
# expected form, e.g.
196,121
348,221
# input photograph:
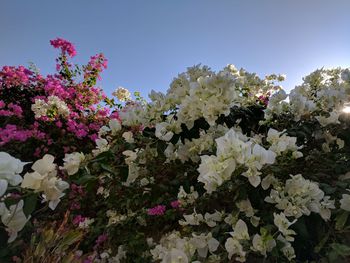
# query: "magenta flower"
64,45
157,210
175,204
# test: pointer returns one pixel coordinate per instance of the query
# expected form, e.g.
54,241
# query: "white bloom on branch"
122,94
345,202
44,179
10,169
72,162
14,219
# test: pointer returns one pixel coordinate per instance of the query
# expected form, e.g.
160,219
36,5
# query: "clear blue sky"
148,42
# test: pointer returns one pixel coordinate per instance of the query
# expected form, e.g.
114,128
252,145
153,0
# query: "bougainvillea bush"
55,114
224,167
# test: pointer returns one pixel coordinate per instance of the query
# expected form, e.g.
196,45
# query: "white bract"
44,180
72,162
52,108
301,197
122,94
13,218
10,169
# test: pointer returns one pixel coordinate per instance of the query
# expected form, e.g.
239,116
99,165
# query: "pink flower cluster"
13,133
78,219
64,45
79,127
96,64
157,210
15,76
12,110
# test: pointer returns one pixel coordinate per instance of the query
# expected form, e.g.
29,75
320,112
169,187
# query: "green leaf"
341,219
107,168
322,243
30,204
341,249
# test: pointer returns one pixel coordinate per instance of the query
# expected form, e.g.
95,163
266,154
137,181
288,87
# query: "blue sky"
148,42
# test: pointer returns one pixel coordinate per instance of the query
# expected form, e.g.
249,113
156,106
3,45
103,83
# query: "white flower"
345,202
14,219
283,143
39,108
128,137
86,223
32,180
262,245
162,131
101,146
175,256
130,156
240,231
72,162
115,126
246,207
211,219
122,94
53,107
10,168
204,243
213,172
299,197
233,247
103,131
192,219
45,166
287,250
132,174
120,255
332,119
187,198
44,179
283,224
42,168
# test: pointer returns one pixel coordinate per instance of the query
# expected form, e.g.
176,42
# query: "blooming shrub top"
56,113
221,168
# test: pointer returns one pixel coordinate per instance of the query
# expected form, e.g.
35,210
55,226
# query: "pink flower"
175,204
64,45
78,219
157,210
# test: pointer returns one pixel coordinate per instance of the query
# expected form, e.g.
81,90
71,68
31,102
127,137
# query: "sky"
149,42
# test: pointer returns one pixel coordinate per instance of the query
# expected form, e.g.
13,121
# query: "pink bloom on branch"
175,204
64,45
157,210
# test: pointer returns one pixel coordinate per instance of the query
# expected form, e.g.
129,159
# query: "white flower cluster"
122,94
192,149
322,96
187,198
44,179
301,197
210,219
345,202
13,218
72,162
51,108
106,256
233,244
281,143
286,236
10,169
202,93
176,249
233,149
134,114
